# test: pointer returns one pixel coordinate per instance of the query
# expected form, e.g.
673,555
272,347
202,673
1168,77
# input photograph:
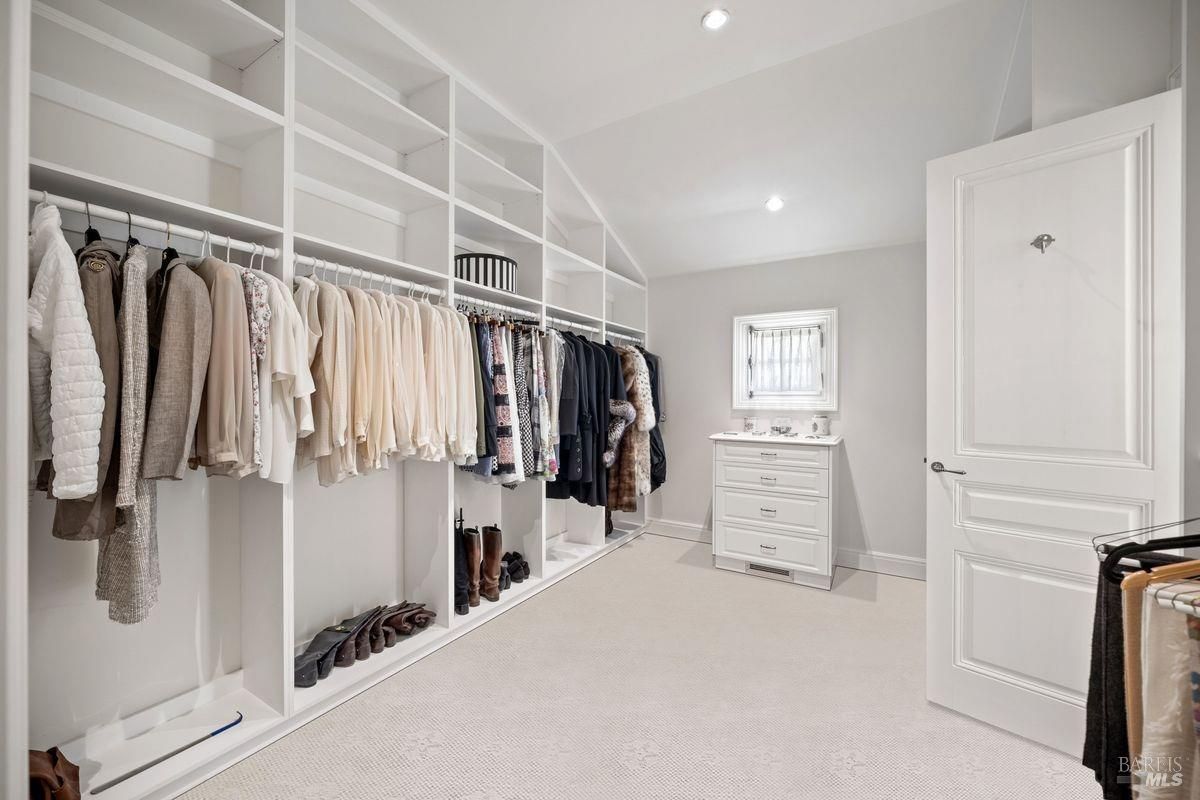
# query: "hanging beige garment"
403,410
225,432
413,371
305,299
383,421
127,569
289,378
434,345
464,376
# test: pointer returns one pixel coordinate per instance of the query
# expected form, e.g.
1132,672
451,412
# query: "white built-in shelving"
322,129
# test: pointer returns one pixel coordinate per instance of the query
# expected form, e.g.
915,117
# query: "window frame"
824,318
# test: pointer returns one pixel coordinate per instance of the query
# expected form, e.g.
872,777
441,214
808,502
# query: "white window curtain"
785,360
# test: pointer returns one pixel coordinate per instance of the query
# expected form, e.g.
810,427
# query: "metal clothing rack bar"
524,313
354,272
146,223
627,337
566,323
1183,596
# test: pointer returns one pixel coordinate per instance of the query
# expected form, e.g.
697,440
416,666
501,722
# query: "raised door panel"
1068,377
1001,630
813,482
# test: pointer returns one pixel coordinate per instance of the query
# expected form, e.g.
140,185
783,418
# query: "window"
786,360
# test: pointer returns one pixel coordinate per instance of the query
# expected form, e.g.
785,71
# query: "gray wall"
880,297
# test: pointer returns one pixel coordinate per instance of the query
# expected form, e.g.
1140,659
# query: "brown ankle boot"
493,549
474,548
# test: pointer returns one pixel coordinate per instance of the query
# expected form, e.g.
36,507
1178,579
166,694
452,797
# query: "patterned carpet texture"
652,675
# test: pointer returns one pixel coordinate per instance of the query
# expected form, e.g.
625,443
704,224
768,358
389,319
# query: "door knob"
938,466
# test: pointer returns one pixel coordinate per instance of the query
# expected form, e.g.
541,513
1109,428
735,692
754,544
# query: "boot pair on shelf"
355,639
481,568
476,565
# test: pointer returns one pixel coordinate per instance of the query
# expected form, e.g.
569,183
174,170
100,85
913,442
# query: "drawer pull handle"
768,455
766,511
766,479
768,547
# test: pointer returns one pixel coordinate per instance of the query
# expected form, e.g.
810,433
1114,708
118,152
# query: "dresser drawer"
781,454
804,553
807,515
735,474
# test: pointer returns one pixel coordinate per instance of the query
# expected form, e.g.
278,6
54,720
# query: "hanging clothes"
127,568
180,324
658,447
66,383
287,380
225,432
95,517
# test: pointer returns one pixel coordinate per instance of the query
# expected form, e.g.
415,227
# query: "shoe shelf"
385,160
125,745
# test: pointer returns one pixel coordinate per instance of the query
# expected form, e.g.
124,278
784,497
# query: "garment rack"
1183,596
627,337
146,223
355,272
566,323
524,313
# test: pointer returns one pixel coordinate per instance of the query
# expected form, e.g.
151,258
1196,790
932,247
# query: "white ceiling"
680,135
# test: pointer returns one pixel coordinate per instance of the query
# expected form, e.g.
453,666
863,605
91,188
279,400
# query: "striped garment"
505,464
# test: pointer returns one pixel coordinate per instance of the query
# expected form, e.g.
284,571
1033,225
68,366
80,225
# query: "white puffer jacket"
65,382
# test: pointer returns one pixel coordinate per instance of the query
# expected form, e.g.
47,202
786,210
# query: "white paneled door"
1055,399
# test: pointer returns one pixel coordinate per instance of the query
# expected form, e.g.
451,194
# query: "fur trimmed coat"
629,478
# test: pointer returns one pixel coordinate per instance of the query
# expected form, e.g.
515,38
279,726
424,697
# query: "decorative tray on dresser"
773,506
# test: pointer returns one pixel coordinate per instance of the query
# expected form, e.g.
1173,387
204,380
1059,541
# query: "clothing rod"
1179,595
138,221
522,312
626,336
355,272
571,324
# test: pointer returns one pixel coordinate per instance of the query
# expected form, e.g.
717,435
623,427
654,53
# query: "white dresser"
773,506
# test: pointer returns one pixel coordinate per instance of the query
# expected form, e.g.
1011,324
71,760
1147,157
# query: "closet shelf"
565,201
624,283
345,682
489,130
69,182
353,257
116,749
560,259
481,226
223,29
465,287
330,89
371,40
573,316
331,162
481,173
623,328
95,63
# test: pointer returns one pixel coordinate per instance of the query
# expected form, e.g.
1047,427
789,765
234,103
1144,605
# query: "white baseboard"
675,529
885,563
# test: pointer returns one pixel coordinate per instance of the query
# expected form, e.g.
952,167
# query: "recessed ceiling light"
774,203
715,20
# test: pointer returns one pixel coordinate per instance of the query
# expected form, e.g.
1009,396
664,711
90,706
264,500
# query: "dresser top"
766,438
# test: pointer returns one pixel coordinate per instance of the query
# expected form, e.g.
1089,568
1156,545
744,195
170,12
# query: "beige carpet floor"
652,675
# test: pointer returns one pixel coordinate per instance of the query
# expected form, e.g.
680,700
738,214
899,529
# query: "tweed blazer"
180,322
